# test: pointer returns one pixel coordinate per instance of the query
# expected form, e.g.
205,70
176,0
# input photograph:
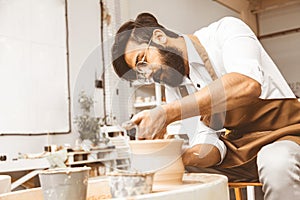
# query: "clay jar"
160,156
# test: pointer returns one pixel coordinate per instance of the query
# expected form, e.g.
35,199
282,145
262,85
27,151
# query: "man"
232,83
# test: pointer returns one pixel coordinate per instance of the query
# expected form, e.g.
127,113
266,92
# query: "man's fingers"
138,117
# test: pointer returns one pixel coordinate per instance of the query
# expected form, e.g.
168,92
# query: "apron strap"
215,121
203,55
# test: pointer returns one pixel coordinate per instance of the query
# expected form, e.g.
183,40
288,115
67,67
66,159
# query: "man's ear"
159,37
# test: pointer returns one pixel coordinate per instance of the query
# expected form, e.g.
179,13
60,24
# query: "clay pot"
160,156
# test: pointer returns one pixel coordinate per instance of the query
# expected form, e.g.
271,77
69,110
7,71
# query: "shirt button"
198,85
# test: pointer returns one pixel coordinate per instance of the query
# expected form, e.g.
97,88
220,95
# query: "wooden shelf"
23,165
122,158
139,84
122,165
90,161
93,156
145,104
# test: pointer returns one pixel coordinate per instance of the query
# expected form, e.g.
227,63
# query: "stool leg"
250,193
238,193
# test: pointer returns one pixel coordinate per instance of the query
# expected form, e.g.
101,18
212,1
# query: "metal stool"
238,189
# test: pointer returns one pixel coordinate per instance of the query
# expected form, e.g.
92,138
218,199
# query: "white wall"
284,49
185,16
84,57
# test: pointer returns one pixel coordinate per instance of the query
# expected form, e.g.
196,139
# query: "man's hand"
151,123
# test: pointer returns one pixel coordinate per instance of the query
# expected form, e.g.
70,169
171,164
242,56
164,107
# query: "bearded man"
219,77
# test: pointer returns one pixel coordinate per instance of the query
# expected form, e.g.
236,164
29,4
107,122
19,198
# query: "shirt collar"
193,56
198,74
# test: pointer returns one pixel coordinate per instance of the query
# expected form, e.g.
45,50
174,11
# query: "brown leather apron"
253,126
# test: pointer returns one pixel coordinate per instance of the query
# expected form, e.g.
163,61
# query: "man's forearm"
229,92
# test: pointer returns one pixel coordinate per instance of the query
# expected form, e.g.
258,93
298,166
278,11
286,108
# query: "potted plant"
88,126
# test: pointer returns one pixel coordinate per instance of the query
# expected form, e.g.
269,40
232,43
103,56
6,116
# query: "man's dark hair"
139,31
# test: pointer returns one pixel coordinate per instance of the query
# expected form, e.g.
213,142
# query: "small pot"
126,184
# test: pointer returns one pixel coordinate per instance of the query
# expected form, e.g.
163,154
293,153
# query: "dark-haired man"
232,83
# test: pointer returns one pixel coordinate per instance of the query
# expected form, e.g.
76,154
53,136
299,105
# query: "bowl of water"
130,183
65,183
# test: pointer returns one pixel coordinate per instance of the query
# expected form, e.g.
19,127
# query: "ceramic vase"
160,156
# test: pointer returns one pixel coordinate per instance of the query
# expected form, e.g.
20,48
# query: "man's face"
172,71
163,64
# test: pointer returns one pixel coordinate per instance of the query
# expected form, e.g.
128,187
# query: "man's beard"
172,69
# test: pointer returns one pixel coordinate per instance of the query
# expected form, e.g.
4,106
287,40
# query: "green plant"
88,126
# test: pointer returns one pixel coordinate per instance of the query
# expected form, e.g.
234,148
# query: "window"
34,81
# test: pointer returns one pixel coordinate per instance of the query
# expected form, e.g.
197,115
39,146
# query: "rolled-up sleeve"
198,133
206,135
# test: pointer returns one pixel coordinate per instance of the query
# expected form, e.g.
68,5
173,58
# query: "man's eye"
142,64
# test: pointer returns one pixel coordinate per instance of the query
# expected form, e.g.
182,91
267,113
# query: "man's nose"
148,75
148,71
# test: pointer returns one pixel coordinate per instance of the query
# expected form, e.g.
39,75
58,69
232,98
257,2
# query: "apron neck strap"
203,55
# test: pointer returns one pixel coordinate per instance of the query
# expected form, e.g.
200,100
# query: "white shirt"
231,47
